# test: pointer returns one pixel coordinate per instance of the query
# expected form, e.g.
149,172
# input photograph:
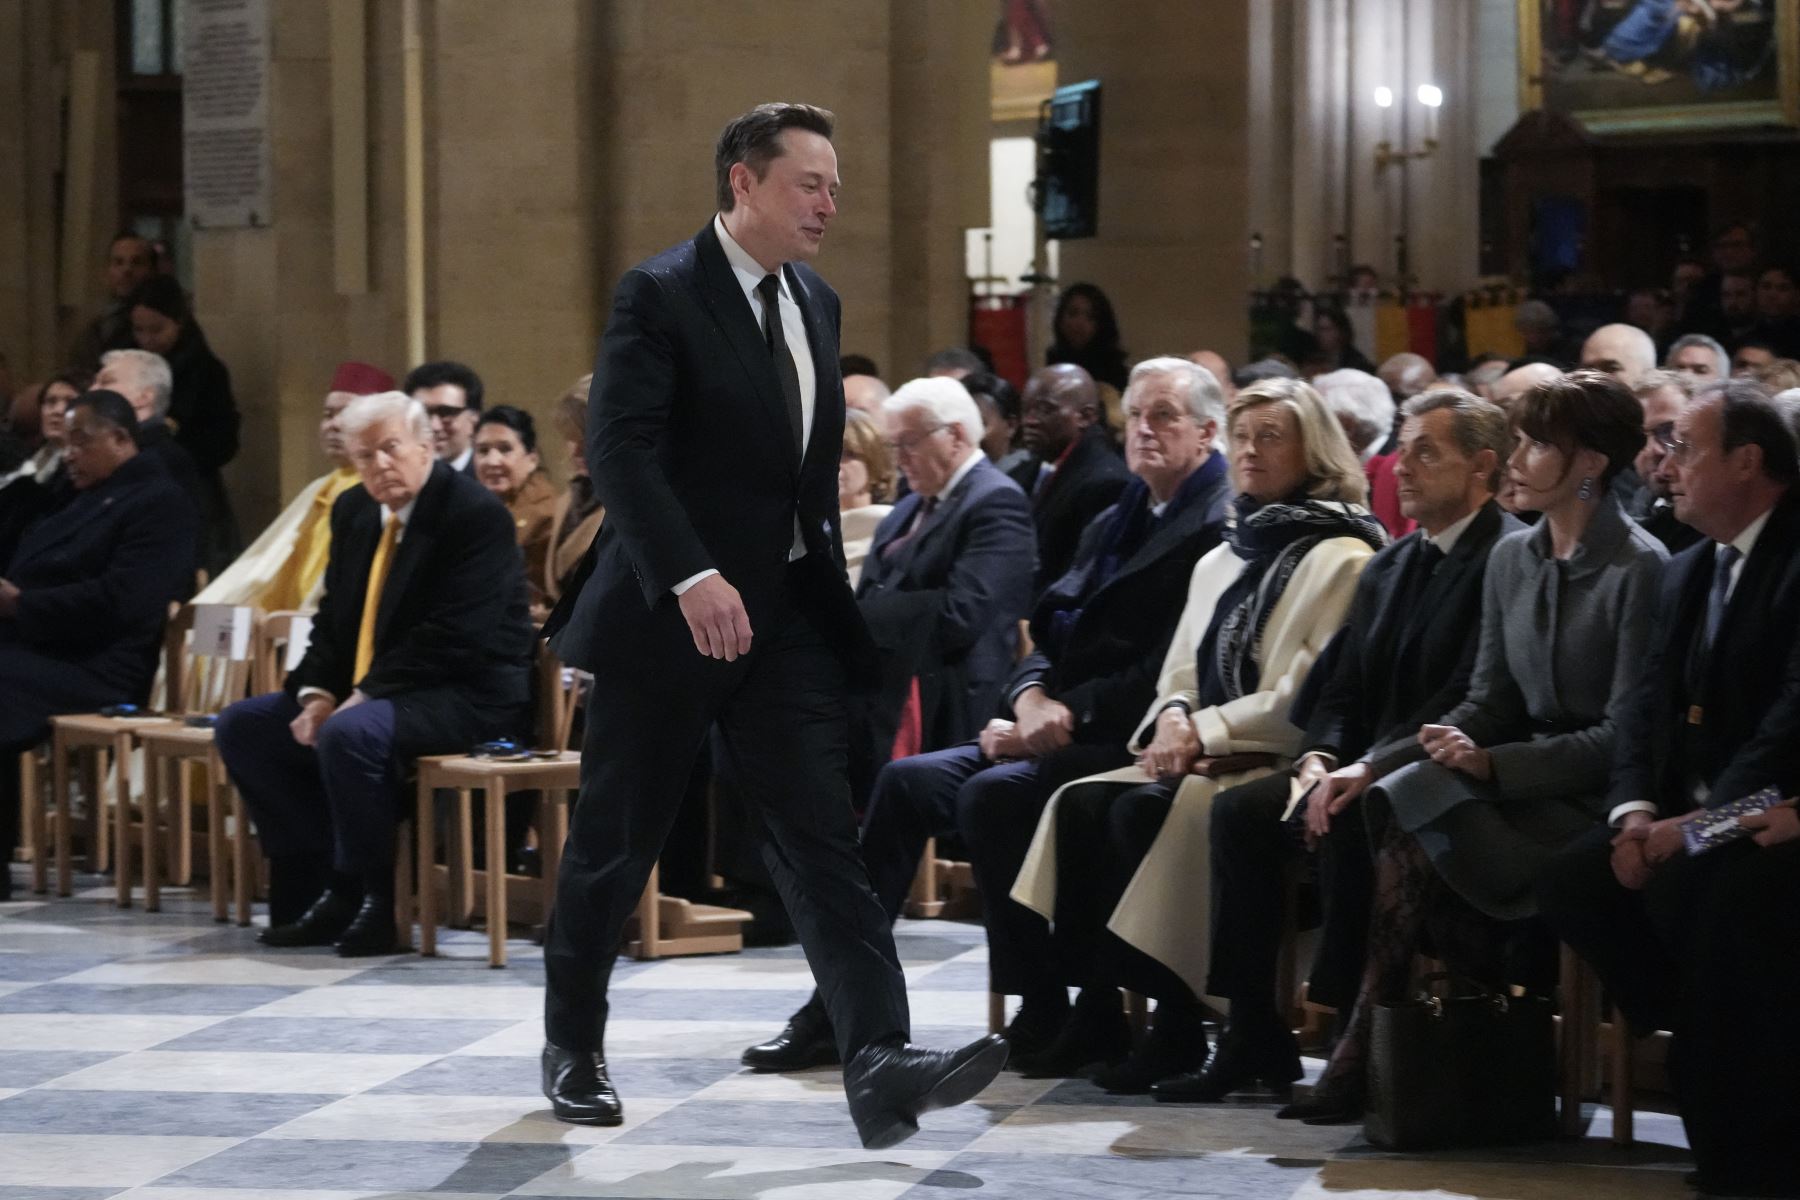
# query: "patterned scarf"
1272,539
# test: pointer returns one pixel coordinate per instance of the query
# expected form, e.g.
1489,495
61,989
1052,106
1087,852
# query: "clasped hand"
1174,747
1450,747
1334,792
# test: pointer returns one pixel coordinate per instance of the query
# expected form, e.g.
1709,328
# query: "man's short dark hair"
754,139
1475,424
437,374
956,358
109,408
1004,395
857,364
126,235
1748,416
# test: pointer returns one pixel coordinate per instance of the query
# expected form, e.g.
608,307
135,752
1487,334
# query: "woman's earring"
1586,491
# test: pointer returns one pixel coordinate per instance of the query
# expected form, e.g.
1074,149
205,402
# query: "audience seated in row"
1078,473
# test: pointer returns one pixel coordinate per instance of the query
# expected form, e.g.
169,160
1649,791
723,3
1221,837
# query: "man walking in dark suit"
716,593
84,599
1078,470
945,585
1704,944
421,645
1403,658
1099,634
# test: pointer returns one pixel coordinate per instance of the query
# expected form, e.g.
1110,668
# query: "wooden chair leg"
121,851
996,1012
181,825
99,836
243,865
403,884
425,838
36,824
216,855
496,870
553,830
1623,1105
1576,1027
29,839
459,856
154,766
649,916
59,790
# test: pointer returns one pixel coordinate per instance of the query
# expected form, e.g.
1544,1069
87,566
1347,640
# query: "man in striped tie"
421,645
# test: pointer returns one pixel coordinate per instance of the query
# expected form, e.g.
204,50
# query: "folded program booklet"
1715,827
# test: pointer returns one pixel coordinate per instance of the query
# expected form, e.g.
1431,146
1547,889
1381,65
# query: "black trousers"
780,714
1707,950
1252,851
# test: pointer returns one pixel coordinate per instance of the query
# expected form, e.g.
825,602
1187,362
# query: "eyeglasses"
445,412
909,443
1681,453
1159,418
1664,435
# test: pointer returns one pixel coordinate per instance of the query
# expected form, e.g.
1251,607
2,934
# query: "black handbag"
1471,1068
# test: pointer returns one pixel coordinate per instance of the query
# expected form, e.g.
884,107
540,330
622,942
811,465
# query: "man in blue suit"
947,580
715,594
84,599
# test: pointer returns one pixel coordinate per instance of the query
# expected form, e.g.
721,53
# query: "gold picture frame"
1598,91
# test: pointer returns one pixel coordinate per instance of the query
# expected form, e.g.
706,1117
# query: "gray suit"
1562,646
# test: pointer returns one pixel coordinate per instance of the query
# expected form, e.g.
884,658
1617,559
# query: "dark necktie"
913,531
1723,561
770,290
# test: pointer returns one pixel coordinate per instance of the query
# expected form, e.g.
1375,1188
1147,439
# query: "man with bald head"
1079,473
1215,362
1511,387
1625,352
865,393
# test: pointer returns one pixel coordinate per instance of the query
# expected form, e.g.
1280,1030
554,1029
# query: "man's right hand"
313,714
1000,742
1044,725
1335,792
715,616
1631,866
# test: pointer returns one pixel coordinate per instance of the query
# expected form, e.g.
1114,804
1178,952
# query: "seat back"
208,656
275,633
560,691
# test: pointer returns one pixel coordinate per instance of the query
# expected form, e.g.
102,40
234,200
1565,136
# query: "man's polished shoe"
1095,1032
1331,1106
576,1084
372,931
321,925
889,1085
1241,1063
806,1041
1034,1027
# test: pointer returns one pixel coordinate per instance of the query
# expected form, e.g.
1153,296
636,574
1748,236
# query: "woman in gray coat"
1463,819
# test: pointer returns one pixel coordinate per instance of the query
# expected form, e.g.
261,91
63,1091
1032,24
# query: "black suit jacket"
453,638
1396,665
96,578
1107,667
691,452
1089,480
945,606
1748,696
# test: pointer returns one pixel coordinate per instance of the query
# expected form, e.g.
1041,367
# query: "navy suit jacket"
691,452
1089,480
945,606
1748,696
95,580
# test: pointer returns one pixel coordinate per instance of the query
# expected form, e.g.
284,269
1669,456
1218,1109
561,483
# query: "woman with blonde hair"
576,520
1119,862
865,487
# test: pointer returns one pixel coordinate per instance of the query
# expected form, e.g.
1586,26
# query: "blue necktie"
1725,558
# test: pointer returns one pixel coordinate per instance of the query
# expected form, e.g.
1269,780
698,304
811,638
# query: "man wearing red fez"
283,568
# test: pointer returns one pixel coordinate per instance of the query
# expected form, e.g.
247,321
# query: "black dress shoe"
889,1086
1035,1026
1240,1063
321,925
1096,1032
577,1086
1176,1045
1331,1106
806,1041
373,930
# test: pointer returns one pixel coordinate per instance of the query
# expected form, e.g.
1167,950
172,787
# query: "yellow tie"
378,569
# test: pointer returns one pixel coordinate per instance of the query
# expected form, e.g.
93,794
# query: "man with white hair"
1362,404
1406,375
1700,356
1099,634
146,383
946,582
421,645
1625,352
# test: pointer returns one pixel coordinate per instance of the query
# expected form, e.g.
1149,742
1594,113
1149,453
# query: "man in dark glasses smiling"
451,394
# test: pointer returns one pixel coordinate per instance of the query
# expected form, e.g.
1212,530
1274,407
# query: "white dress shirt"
749,274
459,463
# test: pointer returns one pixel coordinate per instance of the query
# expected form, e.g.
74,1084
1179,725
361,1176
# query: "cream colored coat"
1165,911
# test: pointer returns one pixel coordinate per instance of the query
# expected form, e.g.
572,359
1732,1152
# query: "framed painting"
1638,66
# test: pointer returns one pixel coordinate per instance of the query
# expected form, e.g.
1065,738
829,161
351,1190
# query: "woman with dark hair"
507,464
1001,415
1462,820
1337,344
1119,863
1085,332
203,414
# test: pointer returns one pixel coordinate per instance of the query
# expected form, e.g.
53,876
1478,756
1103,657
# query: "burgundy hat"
361,379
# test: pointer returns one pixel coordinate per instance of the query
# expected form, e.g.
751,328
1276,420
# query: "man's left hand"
9,598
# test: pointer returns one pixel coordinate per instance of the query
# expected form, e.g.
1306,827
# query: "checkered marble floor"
163,1057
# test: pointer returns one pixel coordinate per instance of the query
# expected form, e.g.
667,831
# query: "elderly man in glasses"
1663,394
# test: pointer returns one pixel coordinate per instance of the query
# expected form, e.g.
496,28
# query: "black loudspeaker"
1068,161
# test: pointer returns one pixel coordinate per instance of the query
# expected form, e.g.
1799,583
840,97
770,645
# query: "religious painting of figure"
1638,65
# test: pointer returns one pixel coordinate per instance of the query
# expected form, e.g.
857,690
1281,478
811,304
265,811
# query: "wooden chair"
105,746
1583,1040
207,684
553,778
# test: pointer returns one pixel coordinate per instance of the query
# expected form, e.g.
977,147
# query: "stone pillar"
1172,250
